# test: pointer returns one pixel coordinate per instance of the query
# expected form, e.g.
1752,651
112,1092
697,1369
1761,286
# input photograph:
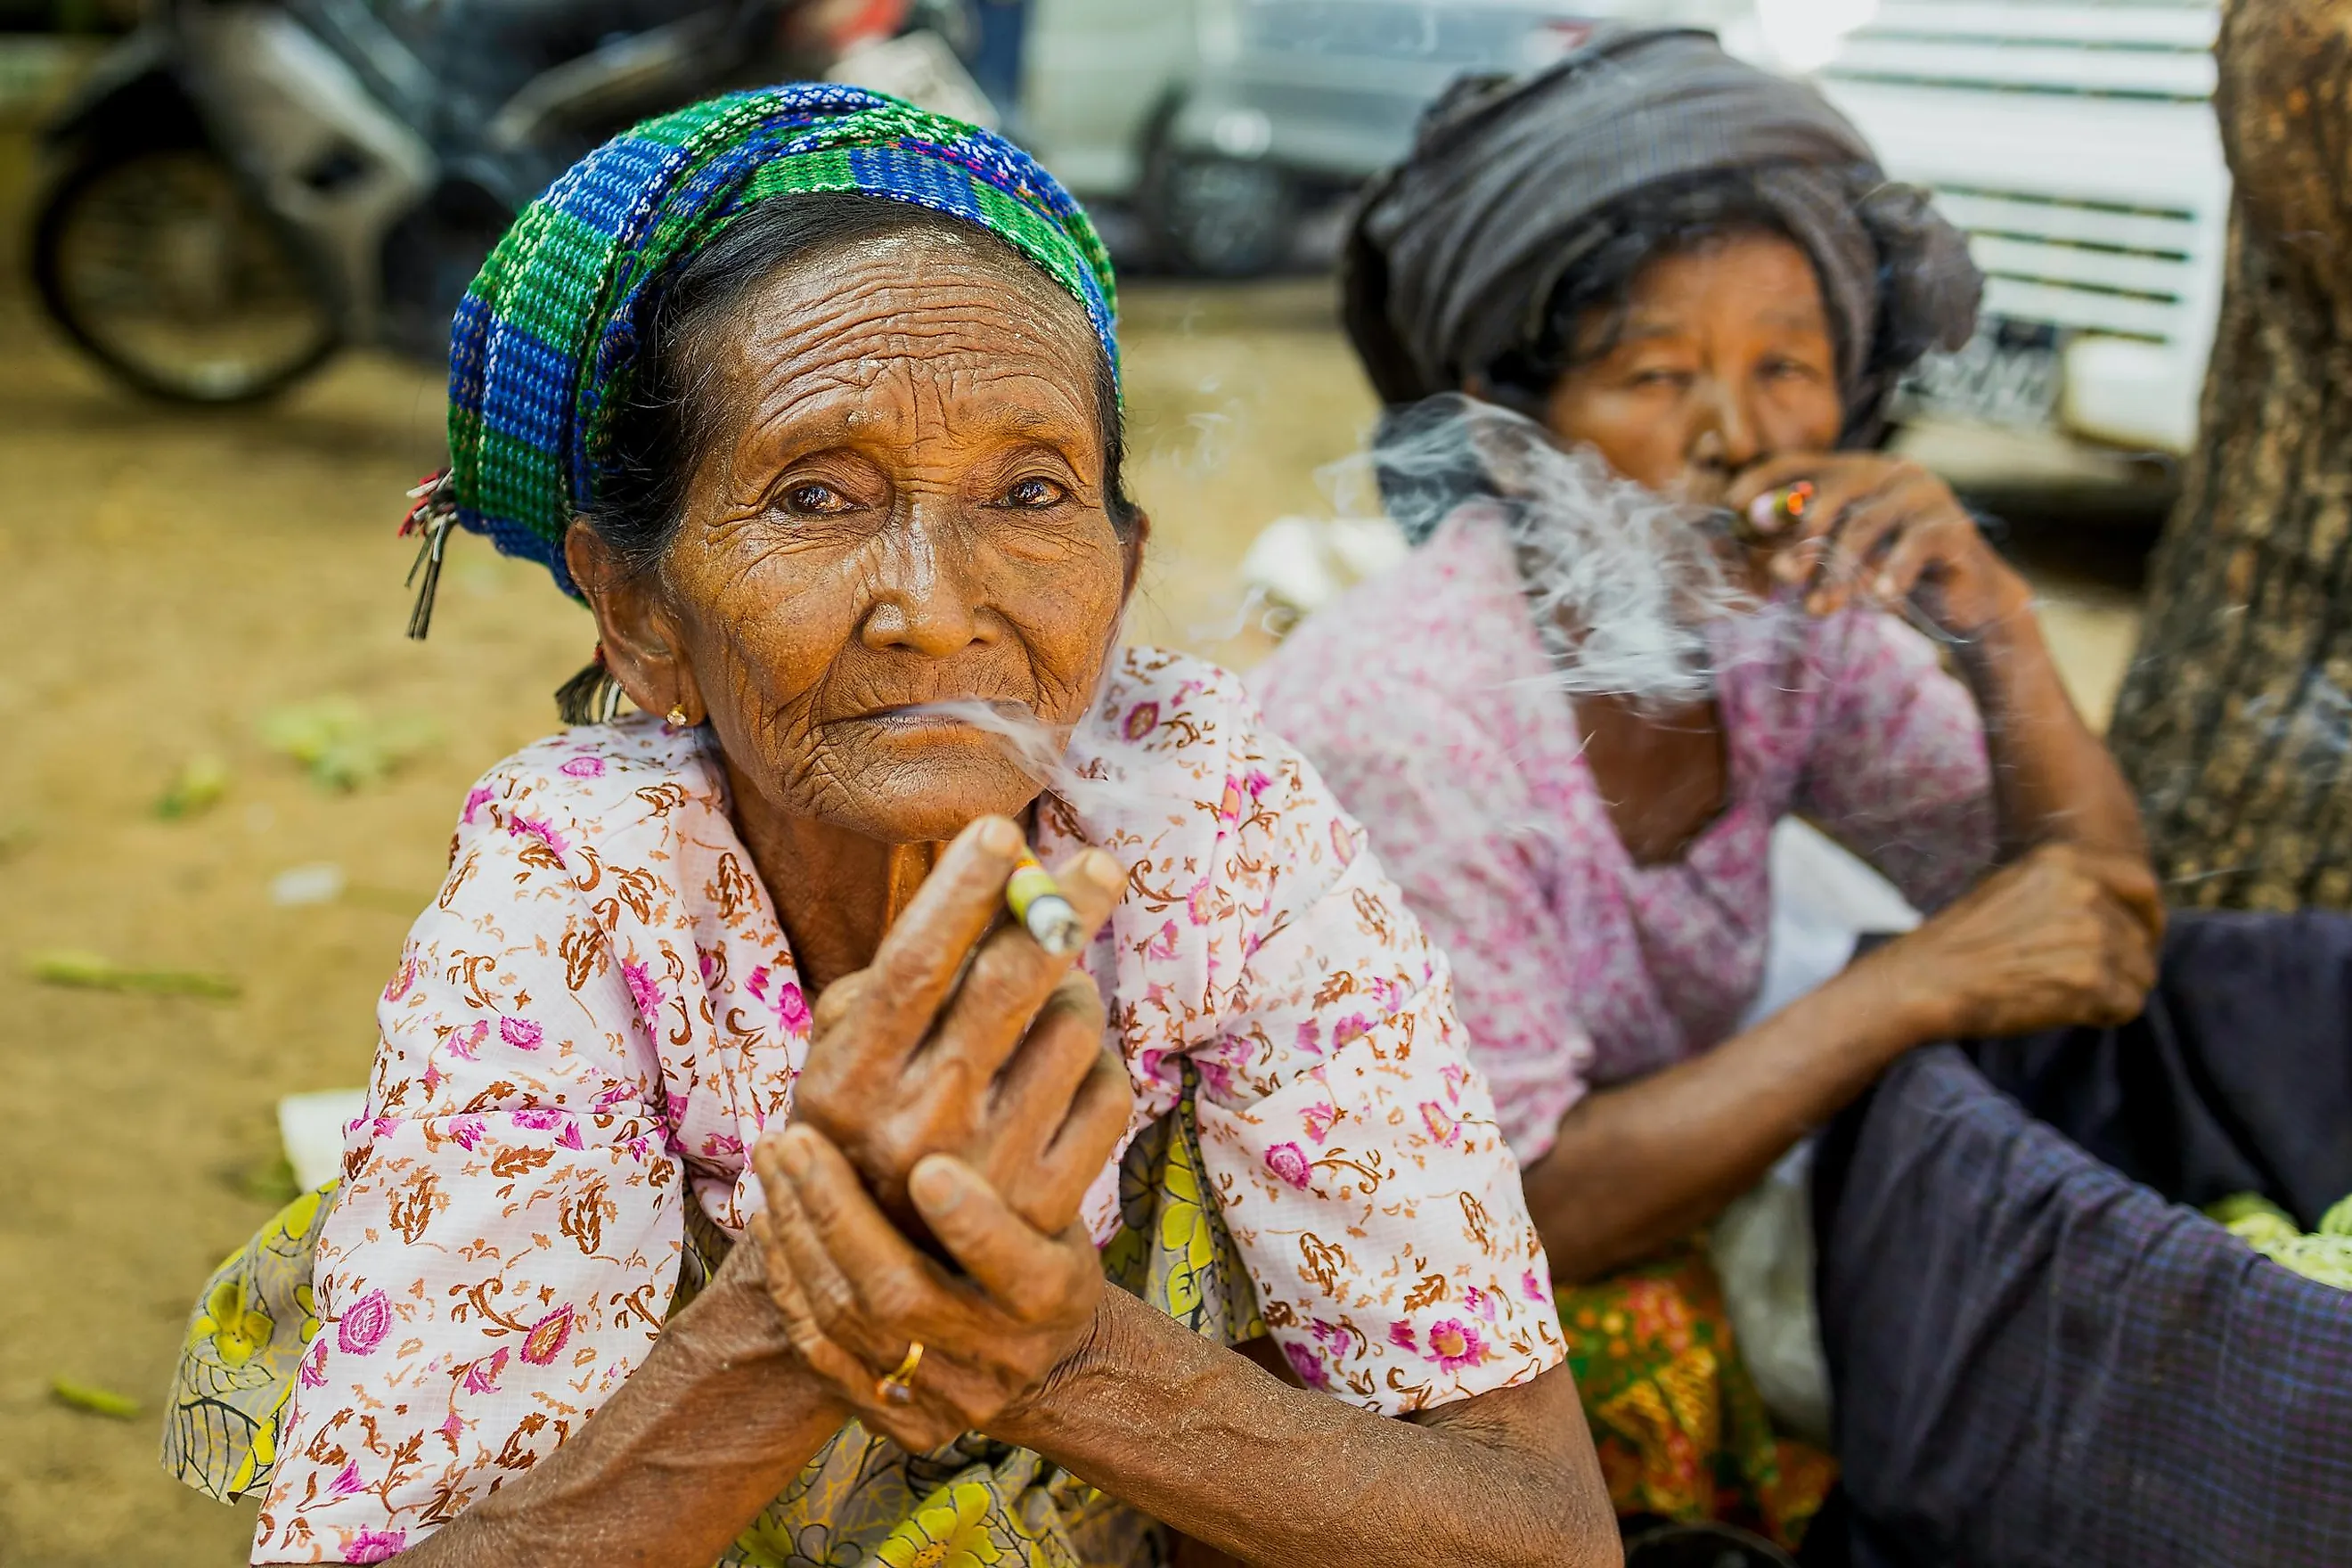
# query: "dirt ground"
176,577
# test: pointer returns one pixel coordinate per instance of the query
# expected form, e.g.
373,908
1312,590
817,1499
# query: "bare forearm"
1200,1437
670,1470
2052,778
1638,1167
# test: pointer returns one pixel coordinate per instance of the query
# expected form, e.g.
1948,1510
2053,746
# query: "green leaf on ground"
88,972
340,743
197,788
94,1400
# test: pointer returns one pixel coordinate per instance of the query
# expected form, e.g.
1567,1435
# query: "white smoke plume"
1041,751
1624,583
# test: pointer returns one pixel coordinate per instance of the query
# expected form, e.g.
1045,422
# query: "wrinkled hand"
854,1294
965,1040
2063,936
1883,530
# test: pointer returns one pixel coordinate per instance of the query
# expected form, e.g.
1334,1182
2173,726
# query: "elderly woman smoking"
736,1182
1697,272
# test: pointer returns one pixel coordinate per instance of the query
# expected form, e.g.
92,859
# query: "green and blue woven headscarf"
546,340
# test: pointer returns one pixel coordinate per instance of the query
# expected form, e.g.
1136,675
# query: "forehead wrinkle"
843,296
834,329
967,396
859,358
1019,407
1796,319
1057,312
930,329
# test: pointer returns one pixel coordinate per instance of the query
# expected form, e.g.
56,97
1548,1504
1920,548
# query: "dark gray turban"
1453,255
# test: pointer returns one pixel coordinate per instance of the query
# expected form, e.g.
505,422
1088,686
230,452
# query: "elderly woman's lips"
936,716
913,717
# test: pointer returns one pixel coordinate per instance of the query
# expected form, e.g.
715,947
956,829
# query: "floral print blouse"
1419,695
600,1012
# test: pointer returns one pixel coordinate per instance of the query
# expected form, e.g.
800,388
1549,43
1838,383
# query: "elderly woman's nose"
1725,433
924,597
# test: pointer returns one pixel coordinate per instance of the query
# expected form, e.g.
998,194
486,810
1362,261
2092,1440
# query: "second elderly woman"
735,1182
1696,271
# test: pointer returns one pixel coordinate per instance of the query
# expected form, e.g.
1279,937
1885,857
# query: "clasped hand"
957,1098
2063,936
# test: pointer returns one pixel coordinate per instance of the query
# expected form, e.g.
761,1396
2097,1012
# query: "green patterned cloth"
863,1501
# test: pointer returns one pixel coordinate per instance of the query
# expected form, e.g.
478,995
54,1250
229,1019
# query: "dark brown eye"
814,499
1034,494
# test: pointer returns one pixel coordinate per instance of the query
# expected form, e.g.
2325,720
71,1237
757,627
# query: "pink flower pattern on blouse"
1420,697
599,1013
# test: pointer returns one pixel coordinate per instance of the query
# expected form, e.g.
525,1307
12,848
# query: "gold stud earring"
677,716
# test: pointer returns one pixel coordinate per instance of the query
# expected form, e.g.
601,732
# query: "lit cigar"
1790,504
1036,901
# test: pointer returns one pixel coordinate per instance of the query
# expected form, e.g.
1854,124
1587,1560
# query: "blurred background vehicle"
2073,140
1225,125
238,189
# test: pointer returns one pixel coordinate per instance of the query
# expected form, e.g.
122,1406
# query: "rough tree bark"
2235,724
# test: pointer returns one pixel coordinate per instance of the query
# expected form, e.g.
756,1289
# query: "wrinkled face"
1725,354
902,505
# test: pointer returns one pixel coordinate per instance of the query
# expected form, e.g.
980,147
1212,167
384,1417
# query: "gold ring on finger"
898,1388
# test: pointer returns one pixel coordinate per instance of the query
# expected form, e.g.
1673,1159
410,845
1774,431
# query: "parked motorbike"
242,188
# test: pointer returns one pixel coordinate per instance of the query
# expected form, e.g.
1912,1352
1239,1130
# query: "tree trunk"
2234,725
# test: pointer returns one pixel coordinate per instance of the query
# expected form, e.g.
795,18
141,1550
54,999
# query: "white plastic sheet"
311,1128
1823,899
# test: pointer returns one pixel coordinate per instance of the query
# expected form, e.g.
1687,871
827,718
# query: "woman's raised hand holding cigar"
1858,525
965,1036
956,1089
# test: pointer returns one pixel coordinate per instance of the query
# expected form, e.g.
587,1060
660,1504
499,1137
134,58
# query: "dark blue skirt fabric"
2038,1356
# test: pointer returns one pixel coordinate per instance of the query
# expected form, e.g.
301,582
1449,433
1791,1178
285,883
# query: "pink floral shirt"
1420,696
600,1011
